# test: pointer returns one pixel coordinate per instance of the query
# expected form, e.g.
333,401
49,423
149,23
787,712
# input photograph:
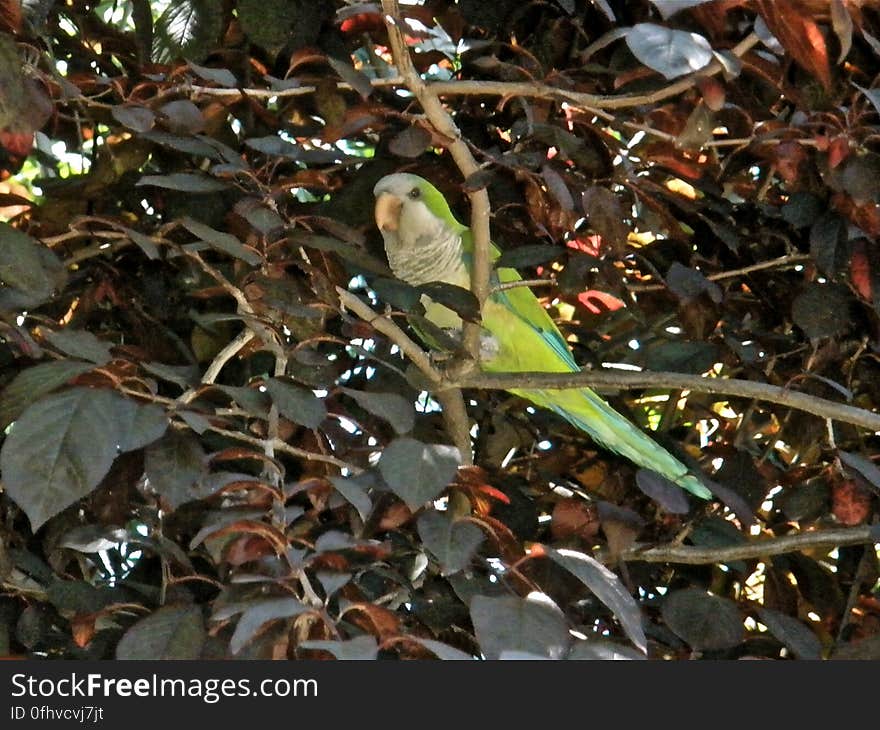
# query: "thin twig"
286,448
765,547
231,349
594,103
696,383
778,262
504,286
387,327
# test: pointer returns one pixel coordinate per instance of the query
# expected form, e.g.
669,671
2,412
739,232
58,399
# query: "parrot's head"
412,214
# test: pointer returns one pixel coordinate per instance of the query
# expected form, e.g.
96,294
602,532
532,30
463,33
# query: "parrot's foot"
460,367
489,347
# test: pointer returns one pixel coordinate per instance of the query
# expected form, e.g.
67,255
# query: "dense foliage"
207,455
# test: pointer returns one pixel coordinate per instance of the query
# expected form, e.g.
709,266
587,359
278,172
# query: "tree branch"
765,547
715,386
594,103
442,121
451,399
454,412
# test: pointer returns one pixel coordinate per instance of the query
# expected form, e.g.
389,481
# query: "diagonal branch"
454,412
442,121
717,386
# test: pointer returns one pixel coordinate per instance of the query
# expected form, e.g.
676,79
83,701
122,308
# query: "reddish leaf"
574,518
380,622
798,33
850,503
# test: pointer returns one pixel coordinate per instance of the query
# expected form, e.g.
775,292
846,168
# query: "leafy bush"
212,450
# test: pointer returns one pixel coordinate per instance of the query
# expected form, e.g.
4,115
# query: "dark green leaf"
171,632
359,648
184,376
687,284
802,209
174,466
225,242
803,643
29,272
32,384
260,613
273,23
458,299
872,95
219,76
62,446
528,256
195,145
145,243
827,240
398,294
860,177
79,597
411,142
392,407
452,542
136,425
822,310
296,403
605,216
805,501
510,624
357,80
275,146
607,588
354,494
188,28
358,258
137,118
252,400
181,116
479,180
666,493
81,344
418,472
862,465
186,182
557,187
680,356
702,620
265,220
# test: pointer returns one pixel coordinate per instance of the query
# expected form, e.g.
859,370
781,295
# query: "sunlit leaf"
511,624
668,51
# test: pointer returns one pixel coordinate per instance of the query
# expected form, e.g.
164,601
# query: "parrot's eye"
415,193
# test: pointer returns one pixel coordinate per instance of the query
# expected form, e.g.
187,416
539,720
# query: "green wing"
529,340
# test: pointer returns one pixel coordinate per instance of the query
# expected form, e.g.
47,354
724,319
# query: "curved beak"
388,212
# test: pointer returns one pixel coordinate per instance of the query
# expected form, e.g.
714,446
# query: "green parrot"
425,243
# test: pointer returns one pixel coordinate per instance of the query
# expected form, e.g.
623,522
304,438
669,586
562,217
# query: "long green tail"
585,410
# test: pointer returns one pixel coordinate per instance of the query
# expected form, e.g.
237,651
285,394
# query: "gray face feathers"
422,238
